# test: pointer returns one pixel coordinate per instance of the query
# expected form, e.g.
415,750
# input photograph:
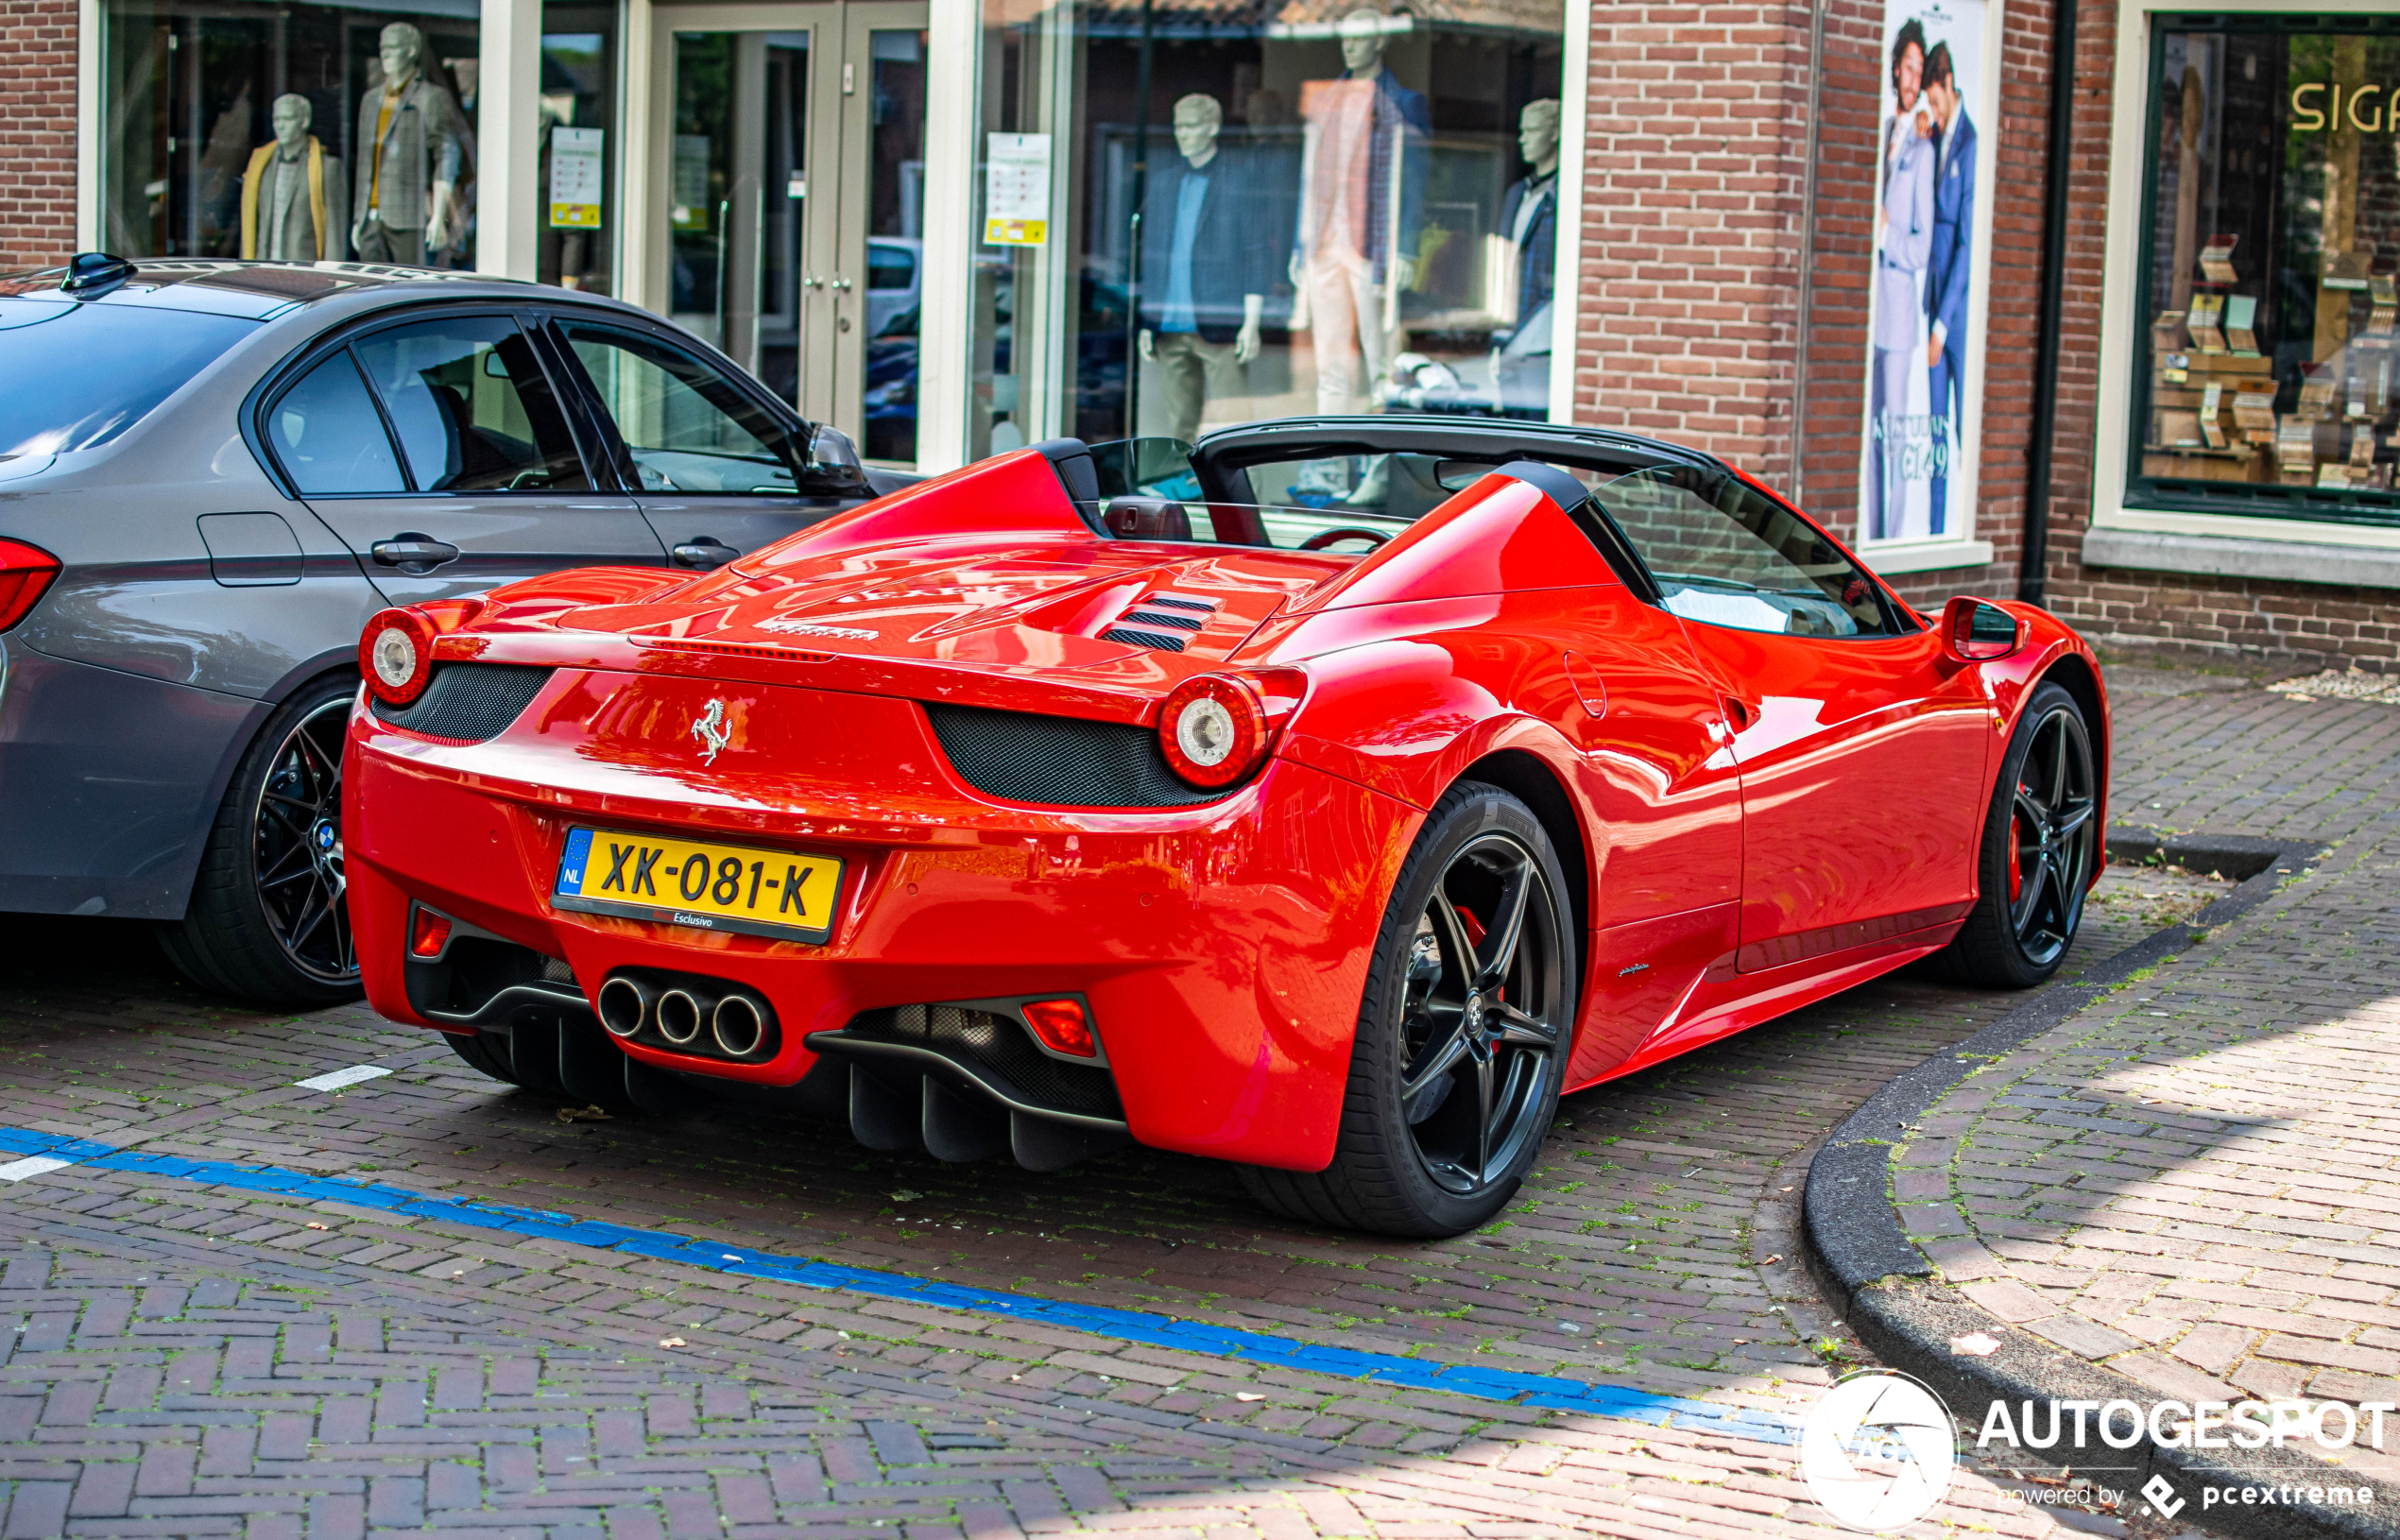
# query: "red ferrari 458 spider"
1327,798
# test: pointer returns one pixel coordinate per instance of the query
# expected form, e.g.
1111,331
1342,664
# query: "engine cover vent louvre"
1176,601
468,702
1059,761
1161,641
1178,620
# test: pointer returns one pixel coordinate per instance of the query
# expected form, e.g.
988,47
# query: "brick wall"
37,131
1685,319
1688,320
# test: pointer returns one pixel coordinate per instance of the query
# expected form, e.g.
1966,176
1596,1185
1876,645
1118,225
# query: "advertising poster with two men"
1931,222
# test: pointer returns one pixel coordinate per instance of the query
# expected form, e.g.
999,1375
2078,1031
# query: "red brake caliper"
2016,872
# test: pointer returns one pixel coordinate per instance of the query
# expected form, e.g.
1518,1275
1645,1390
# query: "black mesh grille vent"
470,701
1161,641
996,1047
1061,761
1157,620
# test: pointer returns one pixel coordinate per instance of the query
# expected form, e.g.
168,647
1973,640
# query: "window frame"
797,429
2293,507
2221,537
301,361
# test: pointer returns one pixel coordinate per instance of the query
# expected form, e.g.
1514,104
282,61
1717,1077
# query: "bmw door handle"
705,553
413,553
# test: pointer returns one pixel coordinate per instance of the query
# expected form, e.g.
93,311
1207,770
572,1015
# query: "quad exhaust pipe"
688,1013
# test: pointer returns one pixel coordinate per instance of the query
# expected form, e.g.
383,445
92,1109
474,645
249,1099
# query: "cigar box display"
2241,311
2217,258
2203,321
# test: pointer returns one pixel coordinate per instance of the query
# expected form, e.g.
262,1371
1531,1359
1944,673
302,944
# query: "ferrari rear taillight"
1213,730
25,571
396,656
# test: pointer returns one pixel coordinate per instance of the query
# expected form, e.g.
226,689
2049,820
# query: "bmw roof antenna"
94,273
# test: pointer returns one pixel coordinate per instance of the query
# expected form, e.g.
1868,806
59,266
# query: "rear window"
75,375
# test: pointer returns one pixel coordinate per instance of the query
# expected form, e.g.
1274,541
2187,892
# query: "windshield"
74,375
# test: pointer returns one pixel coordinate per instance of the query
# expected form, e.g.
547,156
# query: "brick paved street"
196,1360
2192,1180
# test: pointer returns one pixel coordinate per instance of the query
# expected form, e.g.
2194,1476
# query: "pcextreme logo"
1878,1450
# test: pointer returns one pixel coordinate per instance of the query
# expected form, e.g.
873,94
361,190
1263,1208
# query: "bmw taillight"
396,656
25,571
1213,730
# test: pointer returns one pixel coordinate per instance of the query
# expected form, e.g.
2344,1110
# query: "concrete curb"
1890,1294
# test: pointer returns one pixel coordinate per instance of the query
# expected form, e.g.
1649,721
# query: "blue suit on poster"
1946,294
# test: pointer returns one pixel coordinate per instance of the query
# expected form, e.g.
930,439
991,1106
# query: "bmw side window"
1725,554
686,426
474,411
328,436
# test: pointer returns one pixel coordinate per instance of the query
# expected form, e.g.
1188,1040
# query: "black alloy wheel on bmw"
269,918
1463,1035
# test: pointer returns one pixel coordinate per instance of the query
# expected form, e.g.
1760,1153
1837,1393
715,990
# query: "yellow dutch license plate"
711,887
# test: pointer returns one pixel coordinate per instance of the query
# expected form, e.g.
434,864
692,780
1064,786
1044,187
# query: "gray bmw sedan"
212,472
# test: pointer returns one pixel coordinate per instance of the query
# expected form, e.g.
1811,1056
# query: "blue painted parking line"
1549,1390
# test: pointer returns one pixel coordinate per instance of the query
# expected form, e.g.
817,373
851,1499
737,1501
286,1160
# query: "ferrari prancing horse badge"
710,730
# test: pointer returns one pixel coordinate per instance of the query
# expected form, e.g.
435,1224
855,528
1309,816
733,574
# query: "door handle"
706,553
413,553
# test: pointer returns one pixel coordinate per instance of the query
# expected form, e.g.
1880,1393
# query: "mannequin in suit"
293,195
1362,194
1203,275
410,139
1529,223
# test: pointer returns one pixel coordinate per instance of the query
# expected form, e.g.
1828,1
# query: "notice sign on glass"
1016,189
575,179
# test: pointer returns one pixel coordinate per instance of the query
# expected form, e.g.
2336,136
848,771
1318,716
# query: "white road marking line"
17,1171
335,1080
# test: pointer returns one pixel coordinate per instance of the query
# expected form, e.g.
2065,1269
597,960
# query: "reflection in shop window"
2272,243
1257,212
303,132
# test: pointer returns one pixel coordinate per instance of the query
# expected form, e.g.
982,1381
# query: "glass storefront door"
793,211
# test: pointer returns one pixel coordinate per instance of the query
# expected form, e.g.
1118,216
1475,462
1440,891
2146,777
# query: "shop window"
1188,216
578,149
239,128
2272,244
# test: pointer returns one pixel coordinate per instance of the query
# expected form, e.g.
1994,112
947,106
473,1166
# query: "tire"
267,922
481,1054
1417,1154
2040,846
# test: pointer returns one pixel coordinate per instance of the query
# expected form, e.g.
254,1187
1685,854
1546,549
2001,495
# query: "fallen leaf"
314,1225
1772,1261
596,1113
1787,1189
904,1195
1247,1396
1975,1345
672,1341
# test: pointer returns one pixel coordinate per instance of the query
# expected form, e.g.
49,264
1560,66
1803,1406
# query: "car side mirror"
1975,632
833,468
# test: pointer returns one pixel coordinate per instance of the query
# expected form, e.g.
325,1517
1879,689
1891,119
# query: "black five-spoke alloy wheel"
1462,1036
2051,837
269,920
2040,848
